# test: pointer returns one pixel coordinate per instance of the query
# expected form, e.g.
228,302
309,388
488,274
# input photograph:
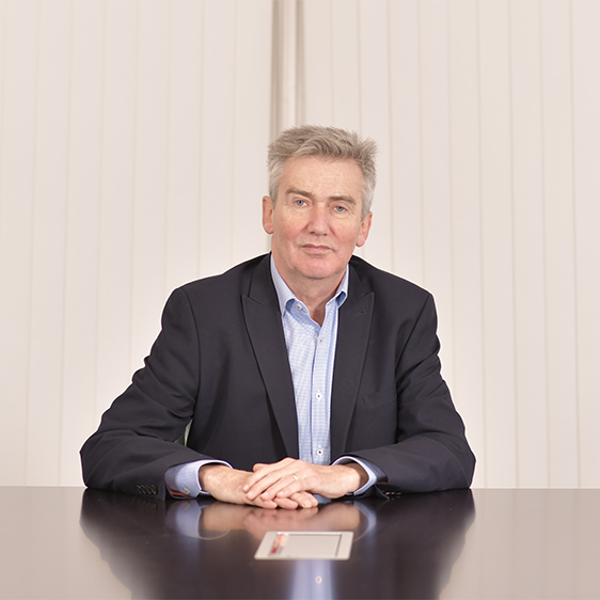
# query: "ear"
267,214
365,227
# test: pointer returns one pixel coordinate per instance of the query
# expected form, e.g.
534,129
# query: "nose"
319,220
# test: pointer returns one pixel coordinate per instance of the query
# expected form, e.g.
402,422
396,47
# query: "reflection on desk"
65,543
403,548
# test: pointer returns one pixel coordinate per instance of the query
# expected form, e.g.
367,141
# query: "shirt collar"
285,295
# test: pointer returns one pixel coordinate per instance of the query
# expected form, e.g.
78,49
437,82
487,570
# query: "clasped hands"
289,483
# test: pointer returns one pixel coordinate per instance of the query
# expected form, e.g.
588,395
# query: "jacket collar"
263,320
354,327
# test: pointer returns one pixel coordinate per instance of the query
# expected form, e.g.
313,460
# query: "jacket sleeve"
135,443
431,451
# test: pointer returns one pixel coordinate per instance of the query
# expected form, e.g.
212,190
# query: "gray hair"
328,142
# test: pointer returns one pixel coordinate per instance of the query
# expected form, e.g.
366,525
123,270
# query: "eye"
340,209
300,202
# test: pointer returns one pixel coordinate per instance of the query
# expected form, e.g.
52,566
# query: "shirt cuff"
182,480
371,470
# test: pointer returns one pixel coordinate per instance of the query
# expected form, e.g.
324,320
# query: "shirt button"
318,395
299,306
320,452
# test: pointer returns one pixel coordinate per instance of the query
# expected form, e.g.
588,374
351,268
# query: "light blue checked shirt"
311,355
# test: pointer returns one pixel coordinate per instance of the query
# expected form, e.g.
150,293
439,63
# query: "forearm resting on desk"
269,485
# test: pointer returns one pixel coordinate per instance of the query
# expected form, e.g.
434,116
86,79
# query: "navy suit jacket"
220,363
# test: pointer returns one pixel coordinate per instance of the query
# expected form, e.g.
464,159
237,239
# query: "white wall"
132,152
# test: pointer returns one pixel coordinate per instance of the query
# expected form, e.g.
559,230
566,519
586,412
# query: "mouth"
316,249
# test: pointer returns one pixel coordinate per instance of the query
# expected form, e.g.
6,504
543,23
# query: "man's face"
316,221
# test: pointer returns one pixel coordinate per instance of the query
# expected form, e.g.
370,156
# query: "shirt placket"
306,333
320,395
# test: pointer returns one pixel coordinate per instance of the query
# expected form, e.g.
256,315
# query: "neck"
314,293
315,300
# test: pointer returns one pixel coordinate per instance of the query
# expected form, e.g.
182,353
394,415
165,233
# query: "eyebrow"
348,199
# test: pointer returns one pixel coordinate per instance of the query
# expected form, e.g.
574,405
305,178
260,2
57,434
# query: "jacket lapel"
263,320
354,325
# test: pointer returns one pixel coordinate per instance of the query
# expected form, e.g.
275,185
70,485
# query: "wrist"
207,474
357,476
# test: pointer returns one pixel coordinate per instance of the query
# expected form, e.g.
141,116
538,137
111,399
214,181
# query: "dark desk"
64,543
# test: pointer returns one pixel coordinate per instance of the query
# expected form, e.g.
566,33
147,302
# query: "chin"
320,272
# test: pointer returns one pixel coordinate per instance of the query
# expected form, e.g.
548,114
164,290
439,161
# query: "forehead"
320,174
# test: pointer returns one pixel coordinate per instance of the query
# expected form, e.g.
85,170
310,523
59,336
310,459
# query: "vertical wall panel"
464,111
497,246
49,220
286,98
251,113
557,143
586,100
217,135
405,128
237,91
435,153
183,146
17,189
330,63
345,65
317,74
115,267
151,165
530,330
374,67
82,235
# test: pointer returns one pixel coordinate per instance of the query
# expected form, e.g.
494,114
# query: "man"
300,373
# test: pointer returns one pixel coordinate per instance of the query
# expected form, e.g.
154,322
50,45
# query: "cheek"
289,231
283,239
349,236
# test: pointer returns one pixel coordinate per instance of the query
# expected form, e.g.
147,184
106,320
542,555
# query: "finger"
274,482
260,502
271,466
276,465
283,487
303,500
261,480
268,487
288,504
262,470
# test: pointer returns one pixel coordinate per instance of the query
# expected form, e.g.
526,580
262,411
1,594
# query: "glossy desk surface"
67,543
